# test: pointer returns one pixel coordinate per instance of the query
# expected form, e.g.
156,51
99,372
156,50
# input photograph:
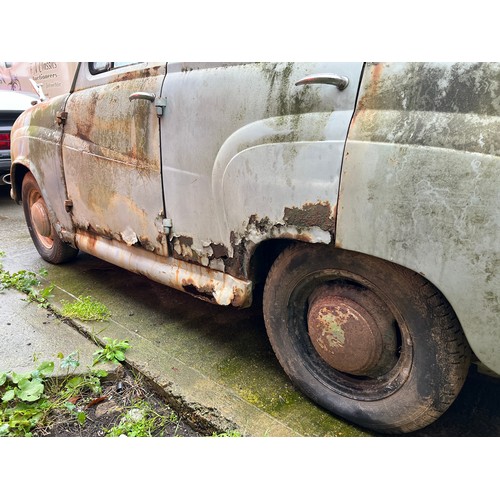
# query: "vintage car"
365,196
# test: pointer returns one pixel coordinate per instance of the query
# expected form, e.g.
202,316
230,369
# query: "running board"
202,282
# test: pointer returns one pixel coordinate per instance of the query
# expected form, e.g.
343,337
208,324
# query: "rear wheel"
50,247
368,340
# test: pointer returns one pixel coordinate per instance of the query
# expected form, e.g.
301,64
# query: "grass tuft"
85,309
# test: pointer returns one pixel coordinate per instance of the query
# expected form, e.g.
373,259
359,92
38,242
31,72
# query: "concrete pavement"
31,334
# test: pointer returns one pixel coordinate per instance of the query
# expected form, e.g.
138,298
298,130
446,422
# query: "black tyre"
50,247
366,339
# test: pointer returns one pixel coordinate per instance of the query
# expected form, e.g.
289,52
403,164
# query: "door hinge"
160,104
167,226
68,205
61,117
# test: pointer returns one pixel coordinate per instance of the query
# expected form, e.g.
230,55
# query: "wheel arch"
40,224
18,171
262,256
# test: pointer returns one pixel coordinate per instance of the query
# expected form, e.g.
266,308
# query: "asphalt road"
222,354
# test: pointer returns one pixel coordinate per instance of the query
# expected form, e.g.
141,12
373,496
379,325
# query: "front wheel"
366,339
50,247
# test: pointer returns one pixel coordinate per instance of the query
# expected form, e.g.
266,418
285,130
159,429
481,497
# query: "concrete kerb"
205,404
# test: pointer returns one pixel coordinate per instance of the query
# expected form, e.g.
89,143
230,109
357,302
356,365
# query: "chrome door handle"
341,82
149,96
159,102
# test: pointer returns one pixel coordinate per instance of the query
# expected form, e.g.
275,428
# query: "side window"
101,67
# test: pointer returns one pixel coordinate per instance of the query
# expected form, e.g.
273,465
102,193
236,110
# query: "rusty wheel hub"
40,218
352,330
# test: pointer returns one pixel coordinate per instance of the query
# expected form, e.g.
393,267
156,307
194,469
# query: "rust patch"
185,240
239,299
208,293
374,79
203,292
141,241
261,225
311,215
140,73
219,251
145,243
182,248
238,265
313,223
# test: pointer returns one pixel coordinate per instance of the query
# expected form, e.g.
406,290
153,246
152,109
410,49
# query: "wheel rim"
40,219
352,338
352,329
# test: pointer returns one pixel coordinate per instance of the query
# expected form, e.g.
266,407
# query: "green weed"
23,400
227,434
141,420
28,400
114,351
85,309
26,282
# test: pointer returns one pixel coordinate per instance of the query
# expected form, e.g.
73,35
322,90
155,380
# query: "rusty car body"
364,195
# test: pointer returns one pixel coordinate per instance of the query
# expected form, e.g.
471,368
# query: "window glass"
102,67
121,64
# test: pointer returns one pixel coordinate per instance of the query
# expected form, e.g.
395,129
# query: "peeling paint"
311,215
207,284
129,237
219,251
312,223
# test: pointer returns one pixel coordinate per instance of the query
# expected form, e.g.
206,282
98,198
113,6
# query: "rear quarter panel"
420,184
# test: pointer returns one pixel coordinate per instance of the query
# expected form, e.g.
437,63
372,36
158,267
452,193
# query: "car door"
253,151
111,153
